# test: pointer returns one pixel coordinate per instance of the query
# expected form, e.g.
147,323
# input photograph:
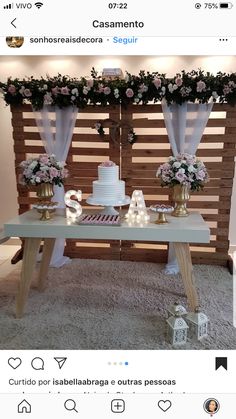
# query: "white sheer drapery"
185,125
56,129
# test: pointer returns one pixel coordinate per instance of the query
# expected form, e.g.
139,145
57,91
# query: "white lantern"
176,307
198,324
177,330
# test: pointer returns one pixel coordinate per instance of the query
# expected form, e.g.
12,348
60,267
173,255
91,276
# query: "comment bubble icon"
37,364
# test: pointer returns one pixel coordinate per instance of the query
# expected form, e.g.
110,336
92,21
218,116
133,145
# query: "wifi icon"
38,4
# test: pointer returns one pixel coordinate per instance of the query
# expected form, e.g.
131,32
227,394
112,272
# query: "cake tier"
108,174
112,192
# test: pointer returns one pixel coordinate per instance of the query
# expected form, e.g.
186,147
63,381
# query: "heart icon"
14,362
164,405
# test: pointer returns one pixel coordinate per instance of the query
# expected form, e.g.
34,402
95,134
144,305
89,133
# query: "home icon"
24,407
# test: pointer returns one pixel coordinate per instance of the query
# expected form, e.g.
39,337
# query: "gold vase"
180,197
45,194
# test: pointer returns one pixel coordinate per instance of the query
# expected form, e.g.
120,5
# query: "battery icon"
226,5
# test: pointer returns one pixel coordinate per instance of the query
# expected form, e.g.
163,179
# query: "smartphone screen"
117,209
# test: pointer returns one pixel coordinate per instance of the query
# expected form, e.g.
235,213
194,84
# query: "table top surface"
191,229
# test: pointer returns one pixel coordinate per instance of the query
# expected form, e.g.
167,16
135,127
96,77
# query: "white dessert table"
179,231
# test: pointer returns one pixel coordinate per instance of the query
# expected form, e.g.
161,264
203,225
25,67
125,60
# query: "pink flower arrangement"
44,169
183,169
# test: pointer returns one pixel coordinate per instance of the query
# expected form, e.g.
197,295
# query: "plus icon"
117,406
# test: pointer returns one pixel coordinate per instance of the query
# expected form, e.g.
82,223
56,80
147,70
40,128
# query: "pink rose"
107,90
27,93
53,172
43,159
12,89
200,175
90,83
129,93
157,82
65,91
201,85
180,177
165,166
178,81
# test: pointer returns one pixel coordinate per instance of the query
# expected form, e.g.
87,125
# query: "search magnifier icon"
70,405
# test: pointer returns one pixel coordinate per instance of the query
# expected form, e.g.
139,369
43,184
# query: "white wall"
81,66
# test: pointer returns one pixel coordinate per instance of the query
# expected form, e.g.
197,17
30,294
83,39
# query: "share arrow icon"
61,361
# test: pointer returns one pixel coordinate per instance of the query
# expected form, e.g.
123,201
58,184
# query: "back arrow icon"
12,22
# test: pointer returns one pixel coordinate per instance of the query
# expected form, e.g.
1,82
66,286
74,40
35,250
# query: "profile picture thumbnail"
211,406
15,41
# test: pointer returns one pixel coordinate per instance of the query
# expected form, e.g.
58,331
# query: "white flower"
191,168
140,95
136,100
21,91
45,87
177,164
48,99
73,98
175,86
75,91
215,95
85,90
163,89
170,87
116,92
33,164
37,179
126,78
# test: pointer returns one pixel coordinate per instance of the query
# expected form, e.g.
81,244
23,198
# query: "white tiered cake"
108,189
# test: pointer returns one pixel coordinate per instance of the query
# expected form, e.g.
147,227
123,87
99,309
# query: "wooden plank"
218,152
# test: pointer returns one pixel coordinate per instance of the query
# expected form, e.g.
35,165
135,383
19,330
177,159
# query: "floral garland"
63,91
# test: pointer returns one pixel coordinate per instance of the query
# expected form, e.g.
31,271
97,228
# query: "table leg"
43,271
31,247
185,265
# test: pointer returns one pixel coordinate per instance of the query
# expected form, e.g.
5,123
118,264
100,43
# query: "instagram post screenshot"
117,209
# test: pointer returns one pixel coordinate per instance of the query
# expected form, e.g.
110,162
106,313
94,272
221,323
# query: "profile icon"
14,41
211,406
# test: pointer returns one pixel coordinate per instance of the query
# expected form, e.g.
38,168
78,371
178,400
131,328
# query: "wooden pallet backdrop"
138,165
